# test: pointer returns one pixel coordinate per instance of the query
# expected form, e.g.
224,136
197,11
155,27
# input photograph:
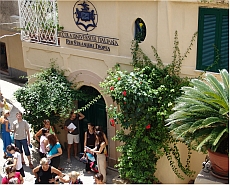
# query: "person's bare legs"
23,160
69,151
29,159
30,162
75,145
76,151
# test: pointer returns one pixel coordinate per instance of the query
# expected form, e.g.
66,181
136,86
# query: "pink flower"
148,127
124,93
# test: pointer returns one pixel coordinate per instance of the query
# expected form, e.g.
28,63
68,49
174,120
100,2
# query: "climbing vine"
145,98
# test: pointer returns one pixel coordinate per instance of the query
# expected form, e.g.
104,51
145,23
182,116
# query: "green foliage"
49,96
145,98
202,114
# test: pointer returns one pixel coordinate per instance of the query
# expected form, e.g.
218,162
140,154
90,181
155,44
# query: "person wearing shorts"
22,137
72,127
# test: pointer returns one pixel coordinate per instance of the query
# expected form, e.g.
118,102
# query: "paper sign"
71,126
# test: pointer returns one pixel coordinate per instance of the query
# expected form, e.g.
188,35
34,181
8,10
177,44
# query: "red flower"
148,127
119,78
111,88
112,122
124,93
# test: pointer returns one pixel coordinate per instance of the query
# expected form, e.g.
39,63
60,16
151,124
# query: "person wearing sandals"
6,132
54,150
17,159
22,137
89,141
99,150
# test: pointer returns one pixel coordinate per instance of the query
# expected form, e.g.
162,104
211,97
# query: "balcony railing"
39,21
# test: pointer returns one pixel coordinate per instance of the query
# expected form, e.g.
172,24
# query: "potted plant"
201,119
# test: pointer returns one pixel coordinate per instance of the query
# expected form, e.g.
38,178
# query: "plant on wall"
50,96
144,98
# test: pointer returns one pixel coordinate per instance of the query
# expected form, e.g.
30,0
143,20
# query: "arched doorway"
95,114
3,58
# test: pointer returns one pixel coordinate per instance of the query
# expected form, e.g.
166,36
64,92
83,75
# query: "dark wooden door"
3,58
96,114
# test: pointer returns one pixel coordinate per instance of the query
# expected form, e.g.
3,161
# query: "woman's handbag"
105,152
84,158
12,138
47,154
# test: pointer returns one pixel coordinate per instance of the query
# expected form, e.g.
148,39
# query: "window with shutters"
213,39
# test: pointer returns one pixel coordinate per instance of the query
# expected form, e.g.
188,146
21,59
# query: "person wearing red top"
11,173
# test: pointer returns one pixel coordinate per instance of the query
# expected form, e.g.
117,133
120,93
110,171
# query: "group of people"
13,149
95,142
49,170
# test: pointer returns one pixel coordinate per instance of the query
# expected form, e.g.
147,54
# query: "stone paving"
8,87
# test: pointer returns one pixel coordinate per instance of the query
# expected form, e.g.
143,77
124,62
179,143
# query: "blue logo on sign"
85,15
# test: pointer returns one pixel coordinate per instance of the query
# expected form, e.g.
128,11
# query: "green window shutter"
224,42
213,34
209,35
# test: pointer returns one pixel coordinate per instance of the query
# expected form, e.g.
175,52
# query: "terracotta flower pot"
219,164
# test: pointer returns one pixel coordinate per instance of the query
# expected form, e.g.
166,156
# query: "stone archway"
92,80
96,114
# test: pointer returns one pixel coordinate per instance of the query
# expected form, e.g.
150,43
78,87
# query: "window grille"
38,21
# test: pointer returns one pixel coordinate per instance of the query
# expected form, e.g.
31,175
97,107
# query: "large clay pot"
219,164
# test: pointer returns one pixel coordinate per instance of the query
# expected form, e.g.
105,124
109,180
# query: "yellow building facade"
11,58
97,34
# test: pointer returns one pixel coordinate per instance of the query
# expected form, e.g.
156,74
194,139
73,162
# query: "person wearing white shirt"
17,160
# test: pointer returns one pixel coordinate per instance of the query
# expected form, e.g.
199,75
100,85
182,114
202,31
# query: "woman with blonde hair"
44,172
5,132
73,178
